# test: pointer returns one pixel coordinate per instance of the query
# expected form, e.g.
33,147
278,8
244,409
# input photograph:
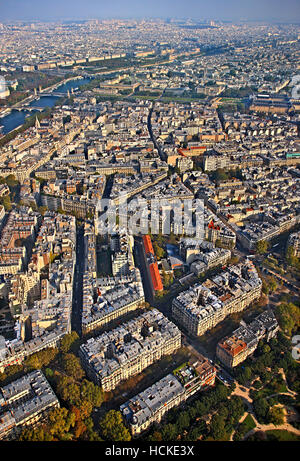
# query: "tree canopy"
112,427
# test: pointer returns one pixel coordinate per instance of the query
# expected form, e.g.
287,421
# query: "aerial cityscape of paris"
149,224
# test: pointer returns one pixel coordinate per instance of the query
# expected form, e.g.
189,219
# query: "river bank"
15,118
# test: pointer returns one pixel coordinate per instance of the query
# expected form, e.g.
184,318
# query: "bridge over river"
30,108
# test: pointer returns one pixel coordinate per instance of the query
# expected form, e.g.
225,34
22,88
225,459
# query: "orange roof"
155,277
148,244
238,349
182,149
233,345
225,297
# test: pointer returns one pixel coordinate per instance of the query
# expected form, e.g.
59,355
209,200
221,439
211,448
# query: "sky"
224,10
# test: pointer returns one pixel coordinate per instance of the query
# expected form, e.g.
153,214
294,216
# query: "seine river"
17,118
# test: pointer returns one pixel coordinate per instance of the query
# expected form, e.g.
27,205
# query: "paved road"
78,283
195,348
271,427
153,139
141,263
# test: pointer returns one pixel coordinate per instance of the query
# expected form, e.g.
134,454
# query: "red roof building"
148,244
155,277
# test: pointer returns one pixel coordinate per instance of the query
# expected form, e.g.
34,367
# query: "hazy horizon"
231,10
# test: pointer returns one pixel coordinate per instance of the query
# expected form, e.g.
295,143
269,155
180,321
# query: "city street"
77,287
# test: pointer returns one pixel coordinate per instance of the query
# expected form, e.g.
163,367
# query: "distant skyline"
223,10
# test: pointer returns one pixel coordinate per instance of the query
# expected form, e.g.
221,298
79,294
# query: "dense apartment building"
115,297
235,348
47,317
266,228
121,253
69,204
216,231
274,104
109,297
21,226
202,255
127,350
149,406
203,306
23,402
294,243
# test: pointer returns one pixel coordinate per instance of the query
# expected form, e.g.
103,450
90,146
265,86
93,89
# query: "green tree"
291,259
11,373
72,366
276,416
6,202
265,286
41,358
272,284
155,437
68,390
11,180
247,373
235,407
217,427
90,434
266,349
219,175
91,392
61,421
49,373
85,408
261,409
38,434
112,427
169,432
158,250
196,432
200,408
262,247
167,279
183,421
68,341
288,317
